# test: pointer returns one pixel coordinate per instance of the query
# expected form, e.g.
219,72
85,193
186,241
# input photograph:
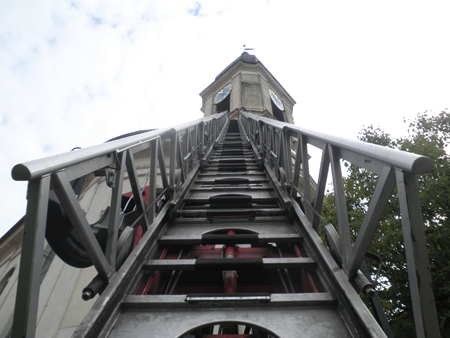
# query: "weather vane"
247,48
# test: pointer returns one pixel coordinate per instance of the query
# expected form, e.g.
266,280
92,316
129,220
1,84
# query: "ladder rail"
412,163
189,145
273,141
45,166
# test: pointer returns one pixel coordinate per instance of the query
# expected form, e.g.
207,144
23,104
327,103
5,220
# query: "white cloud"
77,73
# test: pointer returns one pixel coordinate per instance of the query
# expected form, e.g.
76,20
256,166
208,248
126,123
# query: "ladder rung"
229,239
202,264
321,299
233,160
249,180
230,168
258,196
222,187
225,187
233,174
242,297
211,213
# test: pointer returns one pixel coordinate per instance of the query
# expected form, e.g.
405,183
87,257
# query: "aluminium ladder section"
230,264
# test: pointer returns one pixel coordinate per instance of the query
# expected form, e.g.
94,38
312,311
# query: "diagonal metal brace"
77,218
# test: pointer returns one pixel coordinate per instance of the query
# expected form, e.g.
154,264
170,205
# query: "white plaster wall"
8,296
55,305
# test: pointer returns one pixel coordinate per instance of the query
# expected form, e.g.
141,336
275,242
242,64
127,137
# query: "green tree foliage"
429,135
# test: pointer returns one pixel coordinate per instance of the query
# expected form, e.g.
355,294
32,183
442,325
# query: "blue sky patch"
96,21
51,42
194,11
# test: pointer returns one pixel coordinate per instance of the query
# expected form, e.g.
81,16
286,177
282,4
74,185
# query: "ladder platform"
288,322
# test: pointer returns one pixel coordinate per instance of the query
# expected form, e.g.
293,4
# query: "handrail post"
423,303
260,135
286,144
321,184
153,177
133,178
173,156
341,207
306,178
27,297
116,199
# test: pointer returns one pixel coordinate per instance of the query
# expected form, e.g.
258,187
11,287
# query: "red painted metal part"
250,281
307,279
220,282
138,236
230,277
145,194
227,336
152,284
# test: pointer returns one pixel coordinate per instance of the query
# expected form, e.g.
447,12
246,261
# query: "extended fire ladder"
229,246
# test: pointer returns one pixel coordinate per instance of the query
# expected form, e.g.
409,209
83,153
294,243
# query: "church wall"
251,83
251,91
53,309
251,96
8,296
209,106
77,308
250,77
266,97
288,112
235,100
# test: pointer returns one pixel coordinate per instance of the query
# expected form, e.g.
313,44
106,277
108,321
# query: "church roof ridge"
244,57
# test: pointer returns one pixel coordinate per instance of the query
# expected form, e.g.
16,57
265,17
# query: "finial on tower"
247,48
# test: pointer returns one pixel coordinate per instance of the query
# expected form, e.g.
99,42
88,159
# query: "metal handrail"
413,163
38,168
274,141
190,143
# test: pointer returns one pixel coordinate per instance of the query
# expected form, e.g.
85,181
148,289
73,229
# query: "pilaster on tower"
247,85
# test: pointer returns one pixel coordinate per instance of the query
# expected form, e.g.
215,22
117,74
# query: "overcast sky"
77,73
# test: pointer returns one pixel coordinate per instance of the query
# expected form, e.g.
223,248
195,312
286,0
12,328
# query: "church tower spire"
246,84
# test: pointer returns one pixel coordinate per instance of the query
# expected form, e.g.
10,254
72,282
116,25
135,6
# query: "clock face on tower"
223,93
276,100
